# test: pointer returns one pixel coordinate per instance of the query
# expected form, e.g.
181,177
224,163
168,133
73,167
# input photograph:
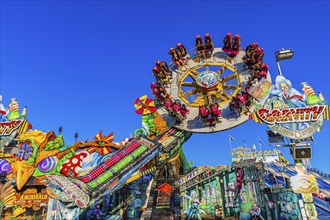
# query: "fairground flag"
245,143
231,138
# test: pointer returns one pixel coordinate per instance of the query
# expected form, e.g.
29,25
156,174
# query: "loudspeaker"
268,190
287,183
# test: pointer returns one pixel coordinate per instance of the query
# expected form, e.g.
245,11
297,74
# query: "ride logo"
31,196
294,123
290,115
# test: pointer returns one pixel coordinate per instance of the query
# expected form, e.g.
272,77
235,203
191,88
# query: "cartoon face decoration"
207,79
303,183
285,88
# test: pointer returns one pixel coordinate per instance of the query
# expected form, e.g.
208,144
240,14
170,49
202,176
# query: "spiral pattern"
48,164
5,166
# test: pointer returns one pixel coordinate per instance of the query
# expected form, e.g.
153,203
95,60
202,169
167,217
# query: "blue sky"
81,65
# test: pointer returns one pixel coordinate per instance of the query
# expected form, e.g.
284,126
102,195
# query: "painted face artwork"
285,88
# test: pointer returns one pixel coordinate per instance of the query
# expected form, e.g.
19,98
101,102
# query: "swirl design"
48,164
5,166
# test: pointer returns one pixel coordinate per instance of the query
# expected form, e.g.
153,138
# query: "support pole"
279,68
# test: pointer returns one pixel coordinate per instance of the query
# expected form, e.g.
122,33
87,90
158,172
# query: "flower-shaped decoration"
24,151
144,105
101,139
104,142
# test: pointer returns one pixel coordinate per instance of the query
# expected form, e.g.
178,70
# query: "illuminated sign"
8,127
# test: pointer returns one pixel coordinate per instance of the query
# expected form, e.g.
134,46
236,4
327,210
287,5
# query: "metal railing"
323,174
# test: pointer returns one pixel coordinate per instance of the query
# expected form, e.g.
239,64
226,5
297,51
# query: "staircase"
162,205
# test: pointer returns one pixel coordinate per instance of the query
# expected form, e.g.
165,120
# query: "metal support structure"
279,68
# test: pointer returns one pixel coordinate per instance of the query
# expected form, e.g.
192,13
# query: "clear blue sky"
81,65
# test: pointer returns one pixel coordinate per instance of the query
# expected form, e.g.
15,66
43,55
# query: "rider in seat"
260,71
237,104
204,112
162,66
248,59
264,70
160,75
181,49
155,72
227,42
215,111
209,46
250,48
258,55
236,46
159,92
176,59
248,98
199,46
168,104
184,111
176,107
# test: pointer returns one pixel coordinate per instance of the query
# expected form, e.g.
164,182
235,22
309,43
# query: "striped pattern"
23,127
114,183
105,176
178,133
109,163
147,171
282,159
256,118
140,174
172,131
326,113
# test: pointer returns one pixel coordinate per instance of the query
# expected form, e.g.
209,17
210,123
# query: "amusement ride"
203,90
